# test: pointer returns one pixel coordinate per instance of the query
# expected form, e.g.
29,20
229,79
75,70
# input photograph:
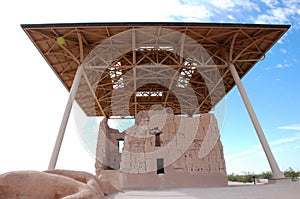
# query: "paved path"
274,191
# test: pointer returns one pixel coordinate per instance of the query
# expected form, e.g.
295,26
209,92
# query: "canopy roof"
163,66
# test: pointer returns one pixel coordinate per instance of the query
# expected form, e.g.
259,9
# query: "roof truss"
241,44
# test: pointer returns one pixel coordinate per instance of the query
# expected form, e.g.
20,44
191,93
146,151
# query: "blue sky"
273,88
33,99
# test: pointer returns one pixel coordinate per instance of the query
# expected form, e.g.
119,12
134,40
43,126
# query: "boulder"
54,184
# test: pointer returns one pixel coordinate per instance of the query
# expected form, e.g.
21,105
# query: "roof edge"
47,25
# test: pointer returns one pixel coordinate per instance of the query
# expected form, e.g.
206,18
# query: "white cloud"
283,50
257,78
256,150
223,4
265,11
257,147
284,140
233,4
254,158
268,68
282,66
215,8
231,17
286,12
290,127
248,5
192,12
270,3
239,154
280,41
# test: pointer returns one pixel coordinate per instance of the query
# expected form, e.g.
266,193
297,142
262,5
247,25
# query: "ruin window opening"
109,168
120,145
160,166
157,139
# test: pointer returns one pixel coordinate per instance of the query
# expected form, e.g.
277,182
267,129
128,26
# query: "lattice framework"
240,44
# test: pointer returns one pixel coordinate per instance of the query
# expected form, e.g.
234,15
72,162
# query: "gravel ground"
233,191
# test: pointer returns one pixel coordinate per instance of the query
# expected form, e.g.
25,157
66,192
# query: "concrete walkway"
233,191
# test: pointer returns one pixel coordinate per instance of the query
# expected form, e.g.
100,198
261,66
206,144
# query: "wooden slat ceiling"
241,44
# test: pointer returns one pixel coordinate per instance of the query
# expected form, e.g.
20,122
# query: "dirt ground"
233,191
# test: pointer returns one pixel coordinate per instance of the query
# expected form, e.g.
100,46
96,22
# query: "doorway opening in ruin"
120,145
160,166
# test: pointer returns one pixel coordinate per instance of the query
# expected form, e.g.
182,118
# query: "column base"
280,181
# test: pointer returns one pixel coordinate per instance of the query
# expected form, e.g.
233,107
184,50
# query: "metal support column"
272,162
65,118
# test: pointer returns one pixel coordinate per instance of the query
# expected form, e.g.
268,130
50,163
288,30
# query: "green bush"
248,177
232,178
265,175
291,173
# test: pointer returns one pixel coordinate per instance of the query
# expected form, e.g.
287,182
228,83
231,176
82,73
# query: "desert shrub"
265,175
232,178
247,177
291,173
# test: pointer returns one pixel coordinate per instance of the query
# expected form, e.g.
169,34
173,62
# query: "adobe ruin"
159,152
